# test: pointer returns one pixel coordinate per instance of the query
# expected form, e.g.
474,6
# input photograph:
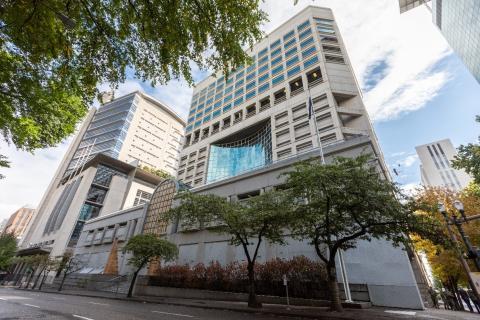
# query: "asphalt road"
18,304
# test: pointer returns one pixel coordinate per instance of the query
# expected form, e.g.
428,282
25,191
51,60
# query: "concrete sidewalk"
282,310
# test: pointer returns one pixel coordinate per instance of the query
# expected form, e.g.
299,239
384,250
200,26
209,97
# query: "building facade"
18,221
101,171
244,131
436,169
459,22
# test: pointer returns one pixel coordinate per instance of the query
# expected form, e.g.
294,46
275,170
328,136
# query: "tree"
146,248
3,164
248,223
68,264
8,248
158,172
41,262
341,203
50,265
54,53
468,158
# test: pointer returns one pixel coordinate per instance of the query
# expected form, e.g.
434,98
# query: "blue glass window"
325,30
277,70
278,79
251,76
290,52
216,113
239,75
228,90
263,60
227,98
303,25
191,119
207,110
276,52
288,35
310,61
209,101
217,104
306,43
238,92
206,119
218,96
250,95
199,115
189,128
198,123
293,71
275,44
251,67
200,106
192,111
238,101
220,86
304,34
263,78
276,61
201,99
229,81
309,52
292,61
262,69
220,80
288,44
239,83
250,85
263,87
227,107
262,52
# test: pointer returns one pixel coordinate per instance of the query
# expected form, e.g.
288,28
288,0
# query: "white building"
100,172
436,169
243,132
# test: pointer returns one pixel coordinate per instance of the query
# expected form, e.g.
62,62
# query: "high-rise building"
245,130
101,171
18,221
436,169
459,22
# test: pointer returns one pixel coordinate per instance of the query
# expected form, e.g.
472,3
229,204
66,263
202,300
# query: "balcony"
264,107
315,83
296,92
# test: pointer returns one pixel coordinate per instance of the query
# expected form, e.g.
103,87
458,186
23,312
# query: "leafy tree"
68,264
247,223
41,263
157,172
8,247
54,53
340,203
468,158
50,265
3,164
146,248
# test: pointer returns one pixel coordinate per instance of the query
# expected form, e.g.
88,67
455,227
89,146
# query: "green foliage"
54,53
8,247
158,172
3,164
147,247
468,158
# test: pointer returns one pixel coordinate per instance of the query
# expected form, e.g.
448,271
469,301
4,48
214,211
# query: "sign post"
285,283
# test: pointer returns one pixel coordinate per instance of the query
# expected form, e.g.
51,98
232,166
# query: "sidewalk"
282,310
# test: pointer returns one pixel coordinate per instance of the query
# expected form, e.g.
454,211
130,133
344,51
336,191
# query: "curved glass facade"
244,154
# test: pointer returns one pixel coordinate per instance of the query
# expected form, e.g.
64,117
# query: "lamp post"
472,251
443,211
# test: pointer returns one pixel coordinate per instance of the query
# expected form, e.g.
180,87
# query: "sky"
415,88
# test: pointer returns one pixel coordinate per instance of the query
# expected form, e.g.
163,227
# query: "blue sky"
415,91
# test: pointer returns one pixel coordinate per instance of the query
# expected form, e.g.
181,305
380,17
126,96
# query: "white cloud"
409,161
411,189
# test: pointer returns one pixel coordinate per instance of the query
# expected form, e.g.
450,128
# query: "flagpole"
343,269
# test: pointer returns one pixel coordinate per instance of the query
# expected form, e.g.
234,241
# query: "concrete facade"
435,167
18,222
308,43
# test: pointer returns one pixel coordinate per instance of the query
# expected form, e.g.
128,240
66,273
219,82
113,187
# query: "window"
227,107
226,122
325,30
278,79
289,43
263,60
309,52
292,61
238,101
215,127
238,92
216,113
250,95
276,52
303,25
277,70
275,44
206,118
328,39
250,85
334,59
305,34
250,76
228,90
310,62
314,77
239,83
290,52
262,52
306,43
263,87
263,78
142,197
280,96
262,69
296,86
227,98
293,71
276,61
288,35
332,49
251,67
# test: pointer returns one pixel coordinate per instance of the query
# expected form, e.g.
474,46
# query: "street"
17,304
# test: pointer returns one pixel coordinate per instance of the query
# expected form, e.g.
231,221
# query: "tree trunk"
336,304
252,296
43,280
63,281
132,284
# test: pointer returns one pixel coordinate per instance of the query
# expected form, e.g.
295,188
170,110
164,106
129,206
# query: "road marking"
56,298
31,305
174,314
100,304
3,299
407,313
80,317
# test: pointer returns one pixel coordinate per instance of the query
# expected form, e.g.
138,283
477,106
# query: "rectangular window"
238,92
293,71
251,67
262,52
220,80
189,128
289,43
292,61
227,107
207,110
278,79
263,60
206,119
251,76
198,123
227,98
288,35
303,25
262,69
239,75
239,83
228,90
309,52
325,30
276,52
290,52
250,85
276,61
277,70
263,78
250,95
191,119
334,59
275,44
216,113
217,104
306,43
209,101
304,34
238,101
219,96
263,87
310,62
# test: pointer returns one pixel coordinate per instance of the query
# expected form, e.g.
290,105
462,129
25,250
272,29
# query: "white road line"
3,299
100,304
80,317
407,313
31,305
56,298
174,314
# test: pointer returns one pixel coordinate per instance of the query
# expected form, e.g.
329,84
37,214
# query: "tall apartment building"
101,171
17,223
459,22
244,131
435,167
